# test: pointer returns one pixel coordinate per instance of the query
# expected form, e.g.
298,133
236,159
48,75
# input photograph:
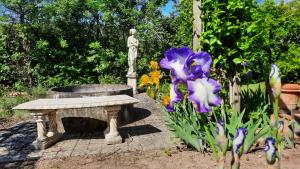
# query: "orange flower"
144,80
154,65
155,76
166,100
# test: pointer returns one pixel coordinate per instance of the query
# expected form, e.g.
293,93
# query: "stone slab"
67,103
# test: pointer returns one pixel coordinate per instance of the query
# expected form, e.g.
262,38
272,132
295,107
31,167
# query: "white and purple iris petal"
200,64
280,125
270,150
175,96
175,60
275,81
204,93
239,139
220,128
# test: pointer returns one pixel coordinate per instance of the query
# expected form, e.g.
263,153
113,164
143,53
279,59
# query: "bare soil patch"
158,159
6,123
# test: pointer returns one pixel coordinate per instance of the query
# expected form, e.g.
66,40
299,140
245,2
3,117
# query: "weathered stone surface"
69,103
88,90
132,81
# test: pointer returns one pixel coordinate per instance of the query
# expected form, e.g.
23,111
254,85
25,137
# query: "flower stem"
221,160
236,162
275,165
276,111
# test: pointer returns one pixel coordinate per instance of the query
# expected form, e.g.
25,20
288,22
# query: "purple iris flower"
200,62
270,150
175,60
239,139
204,93
175,96
192,70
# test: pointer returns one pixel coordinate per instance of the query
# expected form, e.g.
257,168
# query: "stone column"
41,126
112,136
131,81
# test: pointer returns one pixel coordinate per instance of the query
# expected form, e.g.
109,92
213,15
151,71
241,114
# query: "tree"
67,42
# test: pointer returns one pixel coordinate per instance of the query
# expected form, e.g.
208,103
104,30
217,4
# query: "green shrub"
7,103
38,92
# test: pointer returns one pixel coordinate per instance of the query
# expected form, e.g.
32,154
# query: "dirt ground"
158,159
7,123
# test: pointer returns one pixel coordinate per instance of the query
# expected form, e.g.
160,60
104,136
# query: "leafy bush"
290,64
56,43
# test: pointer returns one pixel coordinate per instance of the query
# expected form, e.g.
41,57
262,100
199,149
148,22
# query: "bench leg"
41,126
113,136
44,138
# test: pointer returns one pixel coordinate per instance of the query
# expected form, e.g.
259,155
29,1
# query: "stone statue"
132,44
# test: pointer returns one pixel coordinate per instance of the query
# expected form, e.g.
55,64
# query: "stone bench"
106,108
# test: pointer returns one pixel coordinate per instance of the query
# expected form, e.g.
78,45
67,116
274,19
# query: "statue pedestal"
131,81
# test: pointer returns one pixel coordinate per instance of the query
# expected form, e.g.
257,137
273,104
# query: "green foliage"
273,37
65,42
188,125
290,64
258,99
7,103
256,128
38,92
183,22
259,33
223,27
20,114
69,42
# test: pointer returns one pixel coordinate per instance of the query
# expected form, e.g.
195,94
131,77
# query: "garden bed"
160,159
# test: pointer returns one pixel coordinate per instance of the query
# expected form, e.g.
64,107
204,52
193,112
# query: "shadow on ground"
15,145
96,128
84,125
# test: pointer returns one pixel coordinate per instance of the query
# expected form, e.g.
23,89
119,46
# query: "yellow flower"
144,80
154,65
155,77
166,100
155,74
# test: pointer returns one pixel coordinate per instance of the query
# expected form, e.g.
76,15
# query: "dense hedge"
62,42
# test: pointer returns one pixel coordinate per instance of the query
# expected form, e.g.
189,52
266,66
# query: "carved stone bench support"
45,138
112,135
